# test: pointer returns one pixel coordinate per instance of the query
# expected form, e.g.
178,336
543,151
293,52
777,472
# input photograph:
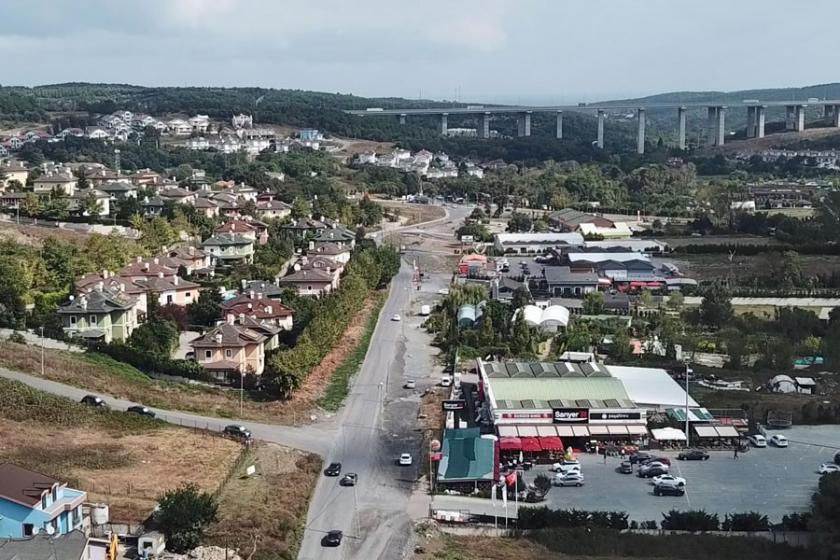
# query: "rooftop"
22,485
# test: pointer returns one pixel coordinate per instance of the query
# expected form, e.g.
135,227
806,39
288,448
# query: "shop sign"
570,415
615,415
454,405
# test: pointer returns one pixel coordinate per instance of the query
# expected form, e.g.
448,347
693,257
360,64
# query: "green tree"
520,340
90,205
206,311
825,520
715,310
183,514
520,222
676,300
155,336
593,303
301,208
156,233
15,282
621,350
520,298
32,205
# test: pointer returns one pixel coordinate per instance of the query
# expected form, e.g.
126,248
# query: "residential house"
110,281
269,330
198,143
245,192
252,229
146,177
33,503
118,190
336,251
147,268
267,289
199,123
12,199
78,202
229,248
311,282
172,290
303,227
153,206
320,261
178,195
73,545
259,306
229,351
61,180
336,234
179,127
99,175
242,121
191,258
206,206
13,171
273,209
103,315
97,133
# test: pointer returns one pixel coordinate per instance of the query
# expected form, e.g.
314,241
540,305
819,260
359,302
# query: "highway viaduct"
715,124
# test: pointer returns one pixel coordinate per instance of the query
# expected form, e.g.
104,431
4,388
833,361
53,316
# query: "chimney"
268,310
251,294
218,338
260,295
191,251
138,259
175,280
160,274
83,302
157,261
145,267
122,287
230,319
104,274
250,306
100,286
329,270
241,317
311,245
244,284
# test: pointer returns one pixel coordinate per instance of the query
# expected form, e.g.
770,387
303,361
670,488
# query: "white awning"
527,431
546,431
618,430
706,431
637,429
508,431
565,431
580,431
668,434
596,430
727,431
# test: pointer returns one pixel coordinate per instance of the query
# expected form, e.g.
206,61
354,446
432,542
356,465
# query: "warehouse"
535,242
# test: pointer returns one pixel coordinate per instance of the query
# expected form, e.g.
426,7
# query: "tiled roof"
97,301
307,275
22,485
230,335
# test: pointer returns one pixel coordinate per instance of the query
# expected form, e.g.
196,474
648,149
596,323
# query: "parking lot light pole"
42,350
687,434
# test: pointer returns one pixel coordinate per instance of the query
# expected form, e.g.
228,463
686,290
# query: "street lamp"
687,434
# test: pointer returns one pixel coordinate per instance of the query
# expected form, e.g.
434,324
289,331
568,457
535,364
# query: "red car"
663,460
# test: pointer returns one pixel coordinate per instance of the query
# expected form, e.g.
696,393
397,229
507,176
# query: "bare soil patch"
436,544
35,235
416,213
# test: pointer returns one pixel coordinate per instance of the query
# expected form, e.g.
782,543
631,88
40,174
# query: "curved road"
372,514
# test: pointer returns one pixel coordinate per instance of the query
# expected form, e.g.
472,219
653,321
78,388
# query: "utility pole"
241,392
687,434
42,350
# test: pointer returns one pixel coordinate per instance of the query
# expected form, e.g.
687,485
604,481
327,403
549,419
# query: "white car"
445,381
444,291
405,459
396,317
569,479
654,465
826,468
757,440
565,469
668,480
410,384
779,440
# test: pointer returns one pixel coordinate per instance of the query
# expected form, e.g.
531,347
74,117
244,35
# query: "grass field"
743,267
123,460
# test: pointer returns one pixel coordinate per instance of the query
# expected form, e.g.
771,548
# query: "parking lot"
772,481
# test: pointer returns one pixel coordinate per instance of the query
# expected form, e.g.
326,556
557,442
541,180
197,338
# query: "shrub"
750,521
17,338
691,520
183,514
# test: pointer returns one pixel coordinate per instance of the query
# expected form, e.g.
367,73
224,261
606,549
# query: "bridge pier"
559,125
402,118
523,124
600,141
681,119
835,116
760,117
799,114
443,124
716,126
752,120
484,126
640,133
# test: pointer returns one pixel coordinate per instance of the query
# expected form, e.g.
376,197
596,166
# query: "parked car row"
758,440
567,473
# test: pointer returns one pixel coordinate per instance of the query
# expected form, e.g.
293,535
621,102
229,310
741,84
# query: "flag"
510,479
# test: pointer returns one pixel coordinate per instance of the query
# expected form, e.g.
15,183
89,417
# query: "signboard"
616,415
570,415
467,239
454,405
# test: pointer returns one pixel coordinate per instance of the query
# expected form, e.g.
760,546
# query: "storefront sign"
454,405
570,415
617,415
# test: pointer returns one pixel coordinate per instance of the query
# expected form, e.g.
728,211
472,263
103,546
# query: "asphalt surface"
773,481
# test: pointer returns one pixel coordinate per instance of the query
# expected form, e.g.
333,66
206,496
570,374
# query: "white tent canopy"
668,434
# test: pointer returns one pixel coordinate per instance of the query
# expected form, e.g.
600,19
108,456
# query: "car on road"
349,479
569,479
405,459
778,440
141,410
237,432
757,440
94,401
332,538
668,479
665,490
693,455
396,317
410,384
826,468
445,381
333,470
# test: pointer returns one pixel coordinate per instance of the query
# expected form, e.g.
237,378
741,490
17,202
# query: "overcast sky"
508,50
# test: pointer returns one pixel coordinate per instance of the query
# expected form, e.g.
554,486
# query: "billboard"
615,415
570,415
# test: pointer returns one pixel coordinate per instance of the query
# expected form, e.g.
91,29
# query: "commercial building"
534,242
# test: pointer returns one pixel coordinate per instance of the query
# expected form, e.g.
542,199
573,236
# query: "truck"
425,310
374,109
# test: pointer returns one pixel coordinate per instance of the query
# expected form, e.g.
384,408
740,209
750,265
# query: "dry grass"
264,514
437,545
128,472
416,213
35,235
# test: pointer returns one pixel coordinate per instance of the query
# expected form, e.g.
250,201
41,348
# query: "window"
73,320
55,493
92,319
188,295
208,354
228,353
77,515
27,529
44,501
168,299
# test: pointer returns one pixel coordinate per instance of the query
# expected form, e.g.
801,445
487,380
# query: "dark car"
141,410
349,479
640,458
693,455
94,401
663,460
650,473
237,432
668,490
626,467
332,538
333,470
837,458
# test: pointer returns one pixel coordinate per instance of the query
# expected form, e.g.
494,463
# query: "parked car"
757,440
565,469
653,471
141,410
332,538
693,455
626,467
333,470
654,465
443,291
396,317
569,479
640,457
668,479
663,460
779,440
405,459
826,468
445,381
94,401
410,384
238,432
665,490
349,479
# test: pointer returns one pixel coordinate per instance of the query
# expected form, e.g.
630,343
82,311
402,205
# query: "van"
425,310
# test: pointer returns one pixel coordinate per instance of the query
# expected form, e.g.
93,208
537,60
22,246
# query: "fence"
792,538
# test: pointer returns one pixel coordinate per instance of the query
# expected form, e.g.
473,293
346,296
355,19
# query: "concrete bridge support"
402,118
835,116
795,117
443,124
716,126
600,141
484,126
752,119
760,118
559,125
640,133
523,124
681,133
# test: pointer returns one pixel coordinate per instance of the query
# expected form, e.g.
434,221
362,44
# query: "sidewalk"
34,339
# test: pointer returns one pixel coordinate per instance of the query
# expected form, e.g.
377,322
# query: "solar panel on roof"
583,403
612,403
511,368
555,403
527,404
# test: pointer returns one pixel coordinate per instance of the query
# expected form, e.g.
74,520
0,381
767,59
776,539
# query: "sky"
550,51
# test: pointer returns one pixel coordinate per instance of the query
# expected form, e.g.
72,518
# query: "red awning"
531,444
551,443
510,444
